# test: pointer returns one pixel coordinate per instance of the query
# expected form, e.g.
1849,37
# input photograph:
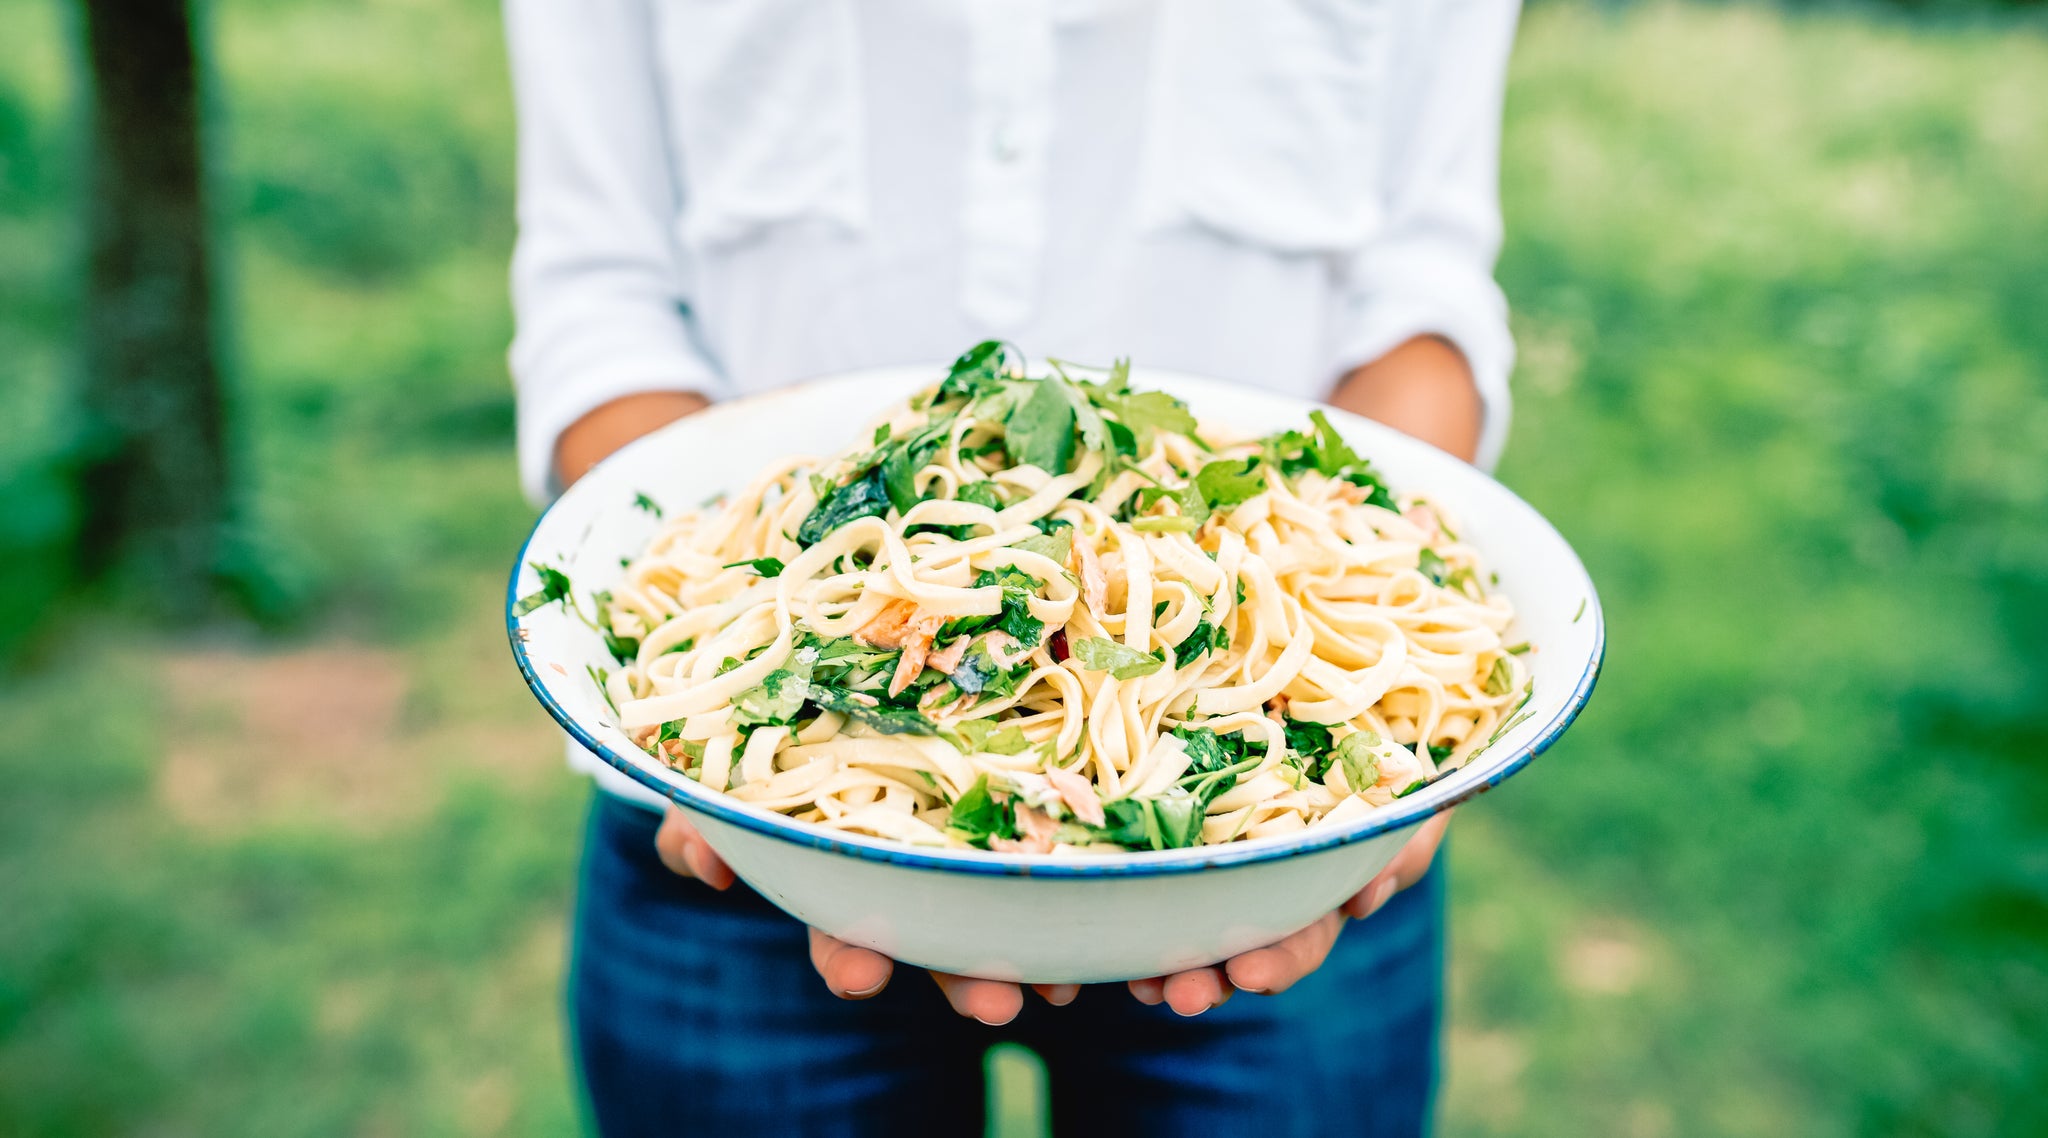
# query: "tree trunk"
155,477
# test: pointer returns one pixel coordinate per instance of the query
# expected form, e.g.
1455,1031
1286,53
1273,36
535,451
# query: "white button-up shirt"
731,195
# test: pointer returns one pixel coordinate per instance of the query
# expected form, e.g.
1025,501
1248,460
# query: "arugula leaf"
1177,819
974,671
779,696
554,586
984,735
977,816
765,566
1206,750
1056,546
1205,638
1332,453
1230,482
976,370
1015,617
643,502
1433,566
1172,820
1099,655
1361,763
1041,430
1194,510
1089,422
1439,753
1311,741
1412,787
887,719
864,497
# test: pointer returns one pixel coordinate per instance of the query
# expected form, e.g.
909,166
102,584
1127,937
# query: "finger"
1377,892
1276,967
685,852
993,1002
1197,990
1149,991
672,842
851,972
1058,995
1407,868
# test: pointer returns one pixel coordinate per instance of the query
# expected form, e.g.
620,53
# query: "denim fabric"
696,1012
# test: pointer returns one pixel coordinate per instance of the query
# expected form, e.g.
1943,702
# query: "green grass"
1784,322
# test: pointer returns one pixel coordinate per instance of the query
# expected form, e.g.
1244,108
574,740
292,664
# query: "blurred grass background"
1781,286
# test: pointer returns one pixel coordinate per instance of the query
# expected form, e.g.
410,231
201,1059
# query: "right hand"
849,971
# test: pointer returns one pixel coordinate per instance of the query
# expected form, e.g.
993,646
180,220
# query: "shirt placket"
1003,225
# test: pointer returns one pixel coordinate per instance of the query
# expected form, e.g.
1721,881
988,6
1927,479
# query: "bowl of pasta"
1048,673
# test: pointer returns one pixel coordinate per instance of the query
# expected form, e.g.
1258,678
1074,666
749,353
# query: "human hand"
1279,966
851,972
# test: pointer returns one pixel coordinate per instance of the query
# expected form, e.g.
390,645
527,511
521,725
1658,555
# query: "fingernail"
864,993
988,1022
1380,895
1192,1014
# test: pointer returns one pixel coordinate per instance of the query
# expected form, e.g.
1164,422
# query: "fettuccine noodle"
1055,615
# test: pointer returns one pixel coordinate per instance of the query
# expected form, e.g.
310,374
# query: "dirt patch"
340,731
257,735
1608,961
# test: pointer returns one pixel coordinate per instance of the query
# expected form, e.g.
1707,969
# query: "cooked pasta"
1054,614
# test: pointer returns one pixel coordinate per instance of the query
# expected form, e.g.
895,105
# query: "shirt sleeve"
1429,269
597,277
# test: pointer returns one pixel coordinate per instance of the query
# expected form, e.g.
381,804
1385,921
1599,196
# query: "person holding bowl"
718,199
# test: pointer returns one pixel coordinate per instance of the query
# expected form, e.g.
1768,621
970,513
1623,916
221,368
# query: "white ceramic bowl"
1035,917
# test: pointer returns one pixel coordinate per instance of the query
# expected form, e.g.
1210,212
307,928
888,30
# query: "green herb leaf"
1332,453
1361,763
1041,430
1125,663
646,503
779,696
888,719
554,586
1412,787
1230,482
1056,546
1433,566
864,497
1500,678
977,816
765,566
1311,741
1205,638
978,369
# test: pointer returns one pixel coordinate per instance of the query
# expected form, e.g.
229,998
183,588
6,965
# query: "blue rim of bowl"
1400,814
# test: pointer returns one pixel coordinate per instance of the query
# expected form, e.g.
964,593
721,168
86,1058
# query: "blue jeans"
697,1012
